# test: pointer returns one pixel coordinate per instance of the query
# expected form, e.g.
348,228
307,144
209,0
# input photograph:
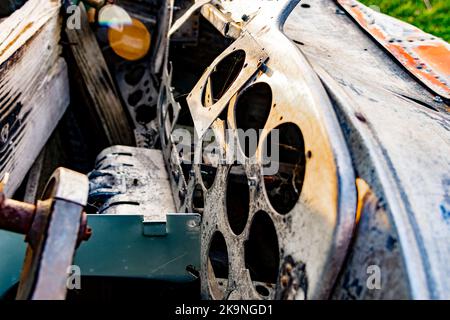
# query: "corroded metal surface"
424,55
313,235
15,216
131,181
398,135
53,237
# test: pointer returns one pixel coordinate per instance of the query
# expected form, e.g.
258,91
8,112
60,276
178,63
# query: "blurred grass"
434,20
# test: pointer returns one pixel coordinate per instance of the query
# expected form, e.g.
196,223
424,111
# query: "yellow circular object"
131,42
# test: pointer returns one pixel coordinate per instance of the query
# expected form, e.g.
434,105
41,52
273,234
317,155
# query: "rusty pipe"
16,216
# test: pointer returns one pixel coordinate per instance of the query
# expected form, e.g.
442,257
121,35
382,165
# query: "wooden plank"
34,93
99,84
45,112
23,24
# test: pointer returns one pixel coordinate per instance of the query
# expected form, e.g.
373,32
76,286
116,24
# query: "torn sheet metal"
424,55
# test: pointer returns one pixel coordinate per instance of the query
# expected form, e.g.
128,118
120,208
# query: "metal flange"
53,227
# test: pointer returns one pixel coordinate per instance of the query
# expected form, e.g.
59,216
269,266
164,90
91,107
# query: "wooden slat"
34,93
23,24
99,84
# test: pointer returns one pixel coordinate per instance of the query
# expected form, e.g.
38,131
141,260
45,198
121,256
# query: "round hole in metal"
252,111
262,257
285,148
222,77
218,266
145,113
237,199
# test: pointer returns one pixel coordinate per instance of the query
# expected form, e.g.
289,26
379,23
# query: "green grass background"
435,20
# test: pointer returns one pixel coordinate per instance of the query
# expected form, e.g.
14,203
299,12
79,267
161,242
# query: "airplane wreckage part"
133,202
384,235
131,180
305,230
133,235
130,246
397,133
343,198
424,55
53,228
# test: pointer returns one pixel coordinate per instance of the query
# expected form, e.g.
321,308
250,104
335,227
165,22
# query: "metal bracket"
121,247
255,56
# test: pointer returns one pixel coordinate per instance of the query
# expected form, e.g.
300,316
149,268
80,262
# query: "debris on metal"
362,179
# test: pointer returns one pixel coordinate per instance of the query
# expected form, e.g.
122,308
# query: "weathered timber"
99,84
34,89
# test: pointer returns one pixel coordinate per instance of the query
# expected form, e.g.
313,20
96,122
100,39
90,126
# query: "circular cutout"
262,290
218,266
262,257
238,199
134,76
198,200
222,77
252,111
183,133
145,113
285,148
210,159
135,97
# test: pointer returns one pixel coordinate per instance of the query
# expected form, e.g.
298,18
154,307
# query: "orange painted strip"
424,55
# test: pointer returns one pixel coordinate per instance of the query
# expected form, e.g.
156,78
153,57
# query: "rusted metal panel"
424,55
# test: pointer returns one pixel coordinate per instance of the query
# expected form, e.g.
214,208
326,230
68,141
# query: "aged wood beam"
34,88
99,84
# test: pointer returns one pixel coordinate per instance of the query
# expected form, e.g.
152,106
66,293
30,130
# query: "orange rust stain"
28,26
402,55
430,63
411,64
377,33
363,190
359,16
438,56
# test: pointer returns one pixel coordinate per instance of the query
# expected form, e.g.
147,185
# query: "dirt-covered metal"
313,230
